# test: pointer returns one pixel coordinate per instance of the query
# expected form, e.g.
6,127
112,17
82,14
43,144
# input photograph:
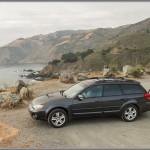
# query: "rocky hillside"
44,48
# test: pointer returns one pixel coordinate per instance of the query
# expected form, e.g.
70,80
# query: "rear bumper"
146,107
37,114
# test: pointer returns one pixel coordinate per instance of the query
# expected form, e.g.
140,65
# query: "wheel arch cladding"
56,108
128,104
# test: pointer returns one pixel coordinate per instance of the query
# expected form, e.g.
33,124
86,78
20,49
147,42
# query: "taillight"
147,95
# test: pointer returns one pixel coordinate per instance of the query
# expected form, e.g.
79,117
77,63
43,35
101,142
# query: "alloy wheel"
130,113
58,119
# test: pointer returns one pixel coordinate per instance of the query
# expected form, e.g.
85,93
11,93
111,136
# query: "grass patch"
136,71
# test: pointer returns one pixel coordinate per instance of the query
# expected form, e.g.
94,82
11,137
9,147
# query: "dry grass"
7,134
65,81
100,74
94,74
47,87
8,89
2,90
8,105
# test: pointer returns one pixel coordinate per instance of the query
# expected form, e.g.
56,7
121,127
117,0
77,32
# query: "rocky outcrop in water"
28,70
45,73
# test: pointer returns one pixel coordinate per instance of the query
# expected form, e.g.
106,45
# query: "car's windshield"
72,91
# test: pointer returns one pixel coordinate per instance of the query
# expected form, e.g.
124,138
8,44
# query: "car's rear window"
132,89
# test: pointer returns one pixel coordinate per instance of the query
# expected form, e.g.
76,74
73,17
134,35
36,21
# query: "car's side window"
112,90
93,91
132,89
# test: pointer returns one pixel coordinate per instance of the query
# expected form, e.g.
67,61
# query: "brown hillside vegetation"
45,48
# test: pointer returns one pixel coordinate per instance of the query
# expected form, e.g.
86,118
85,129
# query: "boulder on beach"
24,93
9,99
18,85
127,70
147,68
107,73
81,77
66,78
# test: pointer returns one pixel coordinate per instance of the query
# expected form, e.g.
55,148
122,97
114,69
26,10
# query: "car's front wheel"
129,113
58,118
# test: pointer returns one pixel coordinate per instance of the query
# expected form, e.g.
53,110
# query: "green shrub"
69,57
86,53
55,62
113,67
136,71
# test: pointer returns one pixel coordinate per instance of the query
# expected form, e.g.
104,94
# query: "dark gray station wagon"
93,97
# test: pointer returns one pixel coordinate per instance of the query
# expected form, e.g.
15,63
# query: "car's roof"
98,81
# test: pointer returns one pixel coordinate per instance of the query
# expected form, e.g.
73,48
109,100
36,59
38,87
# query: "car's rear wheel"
129,113
58,118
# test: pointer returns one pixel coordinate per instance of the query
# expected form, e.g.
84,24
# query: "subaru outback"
92,97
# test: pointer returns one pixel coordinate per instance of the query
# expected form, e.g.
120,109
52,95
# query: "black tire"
58,118
129,113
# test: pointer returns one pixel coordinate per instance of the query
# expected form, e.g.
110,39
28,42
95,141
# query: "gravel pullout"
103,132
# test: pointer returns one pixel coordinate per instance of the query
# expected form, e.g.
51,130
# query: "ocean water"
10,73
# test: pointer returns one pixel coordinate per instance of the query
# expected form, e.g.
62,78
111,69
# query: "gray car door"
113,98
91,104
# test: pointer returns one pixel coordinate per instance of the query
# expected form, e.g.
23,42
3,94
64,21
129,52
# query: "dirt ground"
19,130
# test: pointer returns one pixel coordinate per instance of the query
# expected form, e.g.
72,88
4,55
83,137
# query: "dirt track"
103,132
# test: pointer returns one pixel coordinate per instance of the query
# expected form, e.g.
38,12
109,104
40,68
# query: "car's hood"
48,97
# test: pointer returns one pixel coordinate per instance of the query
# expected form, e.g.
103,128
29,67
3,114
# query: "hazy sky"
25,19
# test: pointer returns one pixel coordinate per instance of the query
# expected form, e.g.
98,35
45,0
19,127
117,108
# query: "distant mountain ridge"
44,48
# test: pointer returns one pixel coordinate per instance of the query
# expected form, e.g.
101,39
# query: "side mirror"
149,91
80,97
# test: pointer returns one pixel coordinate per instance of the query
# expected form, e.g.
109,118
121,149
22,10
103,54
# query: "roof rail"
120,78
116,79
94,78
